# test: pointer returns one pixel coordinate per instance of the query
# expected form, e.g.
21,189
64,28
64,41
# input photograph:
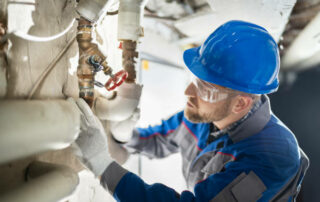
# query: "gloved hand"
91,147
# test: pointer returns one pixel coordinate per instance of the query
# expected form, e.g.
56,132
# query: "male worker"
233,148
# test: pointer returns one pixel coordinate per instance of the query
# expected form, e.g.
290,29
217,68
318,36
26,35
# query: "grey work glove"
91,147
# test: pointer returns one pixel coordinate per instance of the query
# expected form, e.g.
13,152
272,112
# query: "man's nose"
191,90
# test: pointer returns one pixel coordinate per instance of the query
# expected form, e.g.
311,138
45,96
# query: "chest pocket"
216,164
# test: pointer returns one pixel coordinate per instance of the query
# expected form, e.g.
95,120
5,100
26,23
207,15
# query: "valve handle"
116,80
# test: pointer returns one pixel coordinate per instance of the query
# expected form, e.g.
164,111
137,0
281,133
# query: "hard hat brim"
191,60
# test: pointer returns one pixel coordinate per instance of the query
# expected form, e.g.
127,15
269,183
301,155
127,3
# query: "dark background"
297,104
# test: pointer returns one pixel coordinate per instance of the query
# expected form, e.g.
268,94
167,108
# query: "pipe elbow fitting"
122,107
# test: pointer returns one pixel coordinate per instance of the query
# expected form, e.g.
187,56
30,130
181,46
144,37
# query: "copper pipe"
88,50
128,59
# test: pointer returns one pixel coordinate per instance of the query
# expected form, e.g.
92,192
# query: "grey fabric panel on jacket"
112,176
290,189
237,190
216,164
249,188
225,195
156,147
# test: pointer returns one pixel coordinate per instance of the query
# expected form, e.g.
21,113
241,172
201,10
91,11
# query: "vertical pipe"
91,60
129,54
85,72
129,32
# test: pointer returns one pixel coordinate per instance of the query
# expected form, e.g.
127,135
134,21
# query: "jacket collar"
253,123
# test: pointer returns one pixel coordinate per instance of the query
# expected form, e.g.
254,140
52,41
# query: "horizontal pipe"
46,182
32,127
303,53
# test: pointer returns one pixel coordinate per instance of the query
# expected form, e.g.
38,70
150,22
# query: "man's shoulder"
275,139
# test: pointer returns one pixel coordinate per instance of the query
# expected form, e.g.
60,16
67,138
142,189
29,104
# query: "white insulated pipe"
46,182
92,9
122,106
129,19
32,127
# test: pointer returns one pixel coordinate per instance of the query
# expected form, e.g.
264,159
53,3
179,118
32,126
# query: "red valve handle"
116,80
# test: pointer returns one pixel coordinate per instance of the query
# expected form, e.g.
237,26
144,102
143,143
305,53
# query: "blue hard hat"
238,55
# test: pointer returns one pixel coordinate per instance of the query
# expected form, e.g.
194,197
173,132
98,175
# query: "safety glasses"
209,93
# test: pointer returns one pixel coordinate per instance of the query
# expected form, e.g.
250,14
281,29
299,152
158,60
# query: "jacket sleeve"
241,180
156,141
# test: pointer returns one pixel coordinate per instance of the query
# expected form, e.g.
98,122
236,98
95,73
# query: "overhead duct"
304,52
271,14
32,127
46,182
301,40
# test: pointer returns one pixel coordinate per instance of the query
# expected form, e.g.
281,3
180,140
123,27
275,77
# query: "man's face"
200,111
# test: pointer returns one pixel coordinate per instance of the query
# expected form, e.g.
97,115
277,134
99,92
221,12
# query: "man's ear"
242,103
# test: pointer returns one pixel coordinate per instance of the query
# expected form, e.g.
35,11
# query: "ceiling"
293,24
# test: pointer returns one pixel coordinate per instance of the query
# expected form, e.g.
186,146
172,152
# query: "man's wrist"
111,176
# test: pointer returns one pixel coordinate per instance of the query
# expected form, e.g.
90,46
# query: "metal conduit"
32,127
46,182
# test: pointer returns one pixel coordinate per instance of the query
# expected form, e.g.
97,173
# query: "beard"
196,116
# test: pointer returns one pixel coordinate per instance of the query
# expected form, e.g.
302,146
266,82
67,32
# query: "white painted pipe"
122,107
31,127
129,19
122,130
47,182
92,9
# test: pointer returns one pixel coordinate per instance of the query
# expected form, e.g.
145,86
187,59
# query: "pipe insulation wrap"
129,19
47,182
122,107
122,131
32,127
92,9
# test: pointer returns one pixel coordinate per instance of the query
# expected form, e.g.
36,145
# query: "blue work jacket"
259,160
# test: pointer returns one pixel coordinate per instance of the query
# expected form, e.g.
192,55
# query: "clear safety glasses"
209,93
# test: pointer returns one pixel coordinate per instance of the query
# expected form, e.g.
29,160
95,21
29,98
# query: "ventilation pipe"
32,127
91,59
45,182
304,51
